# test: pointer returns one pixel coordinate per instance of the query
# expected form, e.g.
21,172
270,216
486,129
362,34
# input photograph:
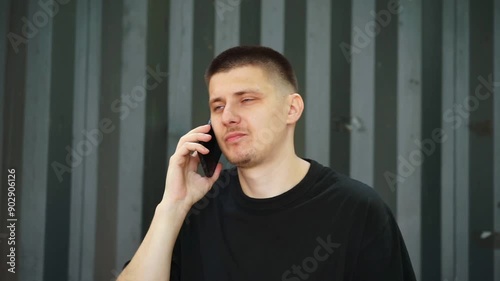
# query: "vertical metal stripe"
92,122
462,142
60,136
110,110
180,70
272,28
385,121
294,50
131,140
430,142
479,112
12,120
362,58
317,108
203,53
79,121
340,102
5,44
35,152
448,254
250,22
409,123
227,25
496,136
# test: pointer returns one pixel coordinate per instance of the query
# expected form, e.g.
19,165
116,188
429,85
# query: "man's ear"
295,108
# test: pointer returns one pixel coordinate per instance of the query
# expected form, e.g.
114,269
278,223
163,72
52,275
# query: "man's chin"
241,162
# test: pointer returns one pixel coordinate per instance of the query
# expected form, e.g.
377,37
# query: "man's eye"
247,100
218,108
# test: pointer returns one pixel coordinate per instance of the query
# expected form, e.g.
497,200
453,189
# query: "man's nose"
230,116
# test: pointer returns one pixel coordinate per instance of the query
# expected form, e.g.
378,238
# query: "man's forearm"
153,258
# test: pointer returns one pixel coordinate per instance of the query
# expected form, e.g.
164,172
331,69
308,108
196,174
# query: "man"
275,216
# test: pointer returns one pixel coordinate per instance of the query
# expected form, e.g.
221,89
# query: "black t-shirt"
327,227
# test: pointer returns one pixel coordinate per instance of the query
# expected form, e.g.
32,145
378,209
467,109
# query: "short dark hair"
267,58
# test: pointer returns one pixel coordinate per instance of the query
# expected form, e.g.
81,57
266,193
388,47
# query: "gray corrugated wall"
96,94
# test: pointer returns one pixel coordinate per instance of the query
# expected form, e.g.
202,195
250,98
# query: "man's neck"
273,178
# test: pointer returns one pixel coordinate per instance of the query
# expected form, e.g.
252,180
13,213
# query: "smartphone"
209,161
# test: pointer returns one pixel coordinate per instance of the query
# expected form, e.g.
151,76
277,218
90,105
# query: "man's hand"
184,186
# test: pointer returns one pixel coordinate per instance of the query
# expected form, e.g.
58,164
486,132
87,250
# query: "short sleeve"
383,255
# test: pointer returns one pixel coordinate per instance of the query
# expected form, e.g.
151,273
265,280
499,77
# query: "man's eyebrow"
238,93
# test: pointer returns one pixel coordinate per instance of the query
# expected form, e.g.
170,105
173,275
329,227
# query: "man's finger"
193,137
189,147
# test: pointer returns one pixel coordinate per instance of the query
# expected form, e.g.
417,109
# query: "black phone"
209,161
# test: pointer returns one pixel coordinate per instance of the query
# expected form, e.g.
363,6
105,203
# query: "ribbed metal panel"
94,102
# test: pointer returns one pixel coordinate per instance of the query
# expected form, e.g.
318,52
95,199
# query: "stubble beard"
244,159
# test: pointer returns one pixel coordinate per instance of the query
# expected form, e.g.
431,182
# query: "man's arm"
183,188
153,259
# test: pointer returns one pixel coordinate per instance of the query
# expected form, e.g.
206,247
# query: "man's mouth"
233,137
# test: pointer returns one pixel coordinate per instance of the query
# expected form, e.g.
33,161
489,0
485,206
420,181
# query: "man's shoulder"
342,184
354,198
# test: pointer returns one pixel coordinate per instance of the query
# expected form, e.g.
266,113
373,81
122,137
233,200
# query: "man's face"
248,115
